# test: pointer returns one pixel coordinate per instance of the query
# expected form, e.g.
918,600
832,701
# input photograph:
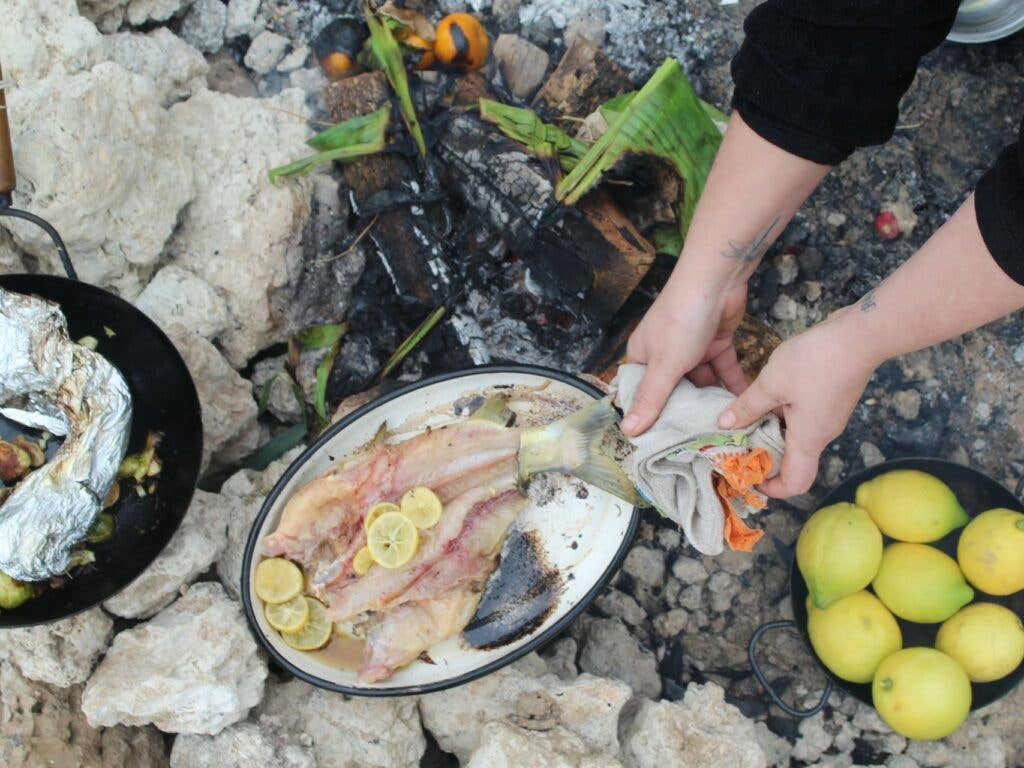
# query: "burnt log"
584,79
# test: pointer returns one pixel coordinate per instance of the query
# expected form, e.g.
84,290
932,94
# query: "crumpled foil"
49,382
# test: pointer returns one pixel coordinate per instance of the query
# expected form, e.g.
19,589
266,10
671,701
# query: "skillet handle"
7,176
759,674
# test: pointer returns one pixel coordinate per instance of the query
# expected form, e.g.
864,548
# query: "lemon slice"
362,562
315,632
376,511
422,506
288,617
392,540
278,580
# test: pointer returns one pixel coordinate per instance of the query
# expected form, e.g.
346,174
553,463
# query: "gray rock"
342,732
776,749
812,290
193,668
1018,355
294,60
282,401
814,739
196,544
609,650
835,468
203,26
521,694
811,261
701,730
692,597
522,64
560,658
244,745
311,80
871,454
620,605
788,267
646,565
689,570
503,745
785,308
10,257
589,26
228,76
178,297
62,653
907,404
242,19
177,69
671,623
265,51
41,725
723,588
142,11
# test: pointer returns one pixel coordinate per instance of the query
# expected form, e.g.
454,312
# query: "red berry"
887,226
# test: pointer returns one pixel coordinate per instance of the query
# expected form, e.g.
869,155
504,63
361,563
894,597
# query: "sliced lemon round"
378,509
288,617
278,580
363,561
315,632
392,540
422,506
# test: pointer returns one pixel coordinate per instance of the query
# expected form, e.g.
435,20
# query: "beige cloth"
668,466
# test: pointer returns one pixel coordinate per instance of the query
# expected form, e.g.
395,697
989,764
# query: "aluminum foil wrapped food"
49,382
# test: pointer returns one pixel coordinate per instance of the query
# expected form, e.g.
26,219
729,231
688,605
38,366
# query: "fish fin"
573,445
494,409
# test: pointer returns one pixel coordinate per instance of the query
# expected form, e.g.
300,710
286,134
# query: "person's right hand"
694,338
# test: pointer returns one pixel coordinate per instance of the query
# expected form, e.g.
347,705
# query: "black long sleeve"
820,78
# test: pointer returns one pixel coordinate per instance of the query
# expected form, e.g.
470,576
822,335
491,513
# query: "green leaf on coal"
540,138
347,141
388,54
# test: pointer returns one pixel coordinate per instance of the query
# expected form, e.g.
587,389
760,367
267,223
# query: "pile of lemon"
923,692
392,538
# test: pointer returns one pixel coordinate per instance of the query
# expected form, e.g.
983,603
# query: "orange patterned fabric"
738,473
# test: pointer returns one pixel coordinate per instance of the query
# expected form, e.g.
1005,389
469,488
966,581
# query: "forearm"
752,192
950,286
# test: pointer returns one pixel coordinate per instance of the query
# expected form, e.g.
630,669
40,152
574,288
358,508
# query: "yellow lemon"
392,540
991,551
853,635
422,506
838,552
909,505
986,639
362,562
315,632
376,511
288,617
920,583
277,580
921,693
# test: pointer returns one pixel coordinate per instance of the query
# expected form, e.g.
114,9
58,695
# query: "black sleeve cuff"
999,205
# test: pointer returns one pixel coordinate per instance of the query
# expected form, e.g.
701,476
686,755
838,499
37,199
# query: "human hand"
816,379
692,338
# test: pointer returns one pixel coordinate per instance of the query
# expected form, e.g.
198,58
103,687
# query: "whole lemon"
909,505
920,583
921,693
853,635
986,639
991,551
838,552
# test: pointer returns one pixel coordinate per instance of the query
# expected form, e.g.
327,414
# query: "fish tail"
573,445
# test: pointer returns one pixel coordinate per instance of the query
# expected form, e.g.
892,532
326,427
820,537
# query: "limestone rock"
203,25
196,544
646,565
294,60
177,69
193,668
609,650
228,409
344,733
243,745
907,404
265,51
61,653
241,234
587,706
243,495
140,12
242,20
41,725
281,399
701,730
112,186
42,37
522,64
10,257
503,745
178,297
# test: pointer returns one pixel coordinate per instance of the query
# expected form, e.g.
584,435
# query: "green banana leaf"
541,139
349,140
664,118
389,58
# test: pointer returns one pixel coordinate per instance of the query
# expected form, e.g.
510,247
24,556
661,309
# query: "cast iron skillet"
977,492
164,400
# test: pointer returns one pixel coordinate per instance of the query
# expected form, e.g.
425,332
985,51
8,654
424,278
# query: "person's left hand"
815,380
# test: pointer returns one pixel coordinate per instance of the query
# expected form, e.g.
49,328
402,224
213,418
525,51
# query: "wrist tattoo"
868,302
752,249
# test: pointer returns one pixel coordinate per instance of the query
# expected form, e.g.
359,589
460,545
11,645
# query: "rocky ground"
143,131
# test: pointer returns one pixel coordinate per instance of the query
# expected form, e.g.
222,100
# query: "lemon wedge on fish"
376,511
278,580
422,506
288,617
362,561
392,540
315,632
